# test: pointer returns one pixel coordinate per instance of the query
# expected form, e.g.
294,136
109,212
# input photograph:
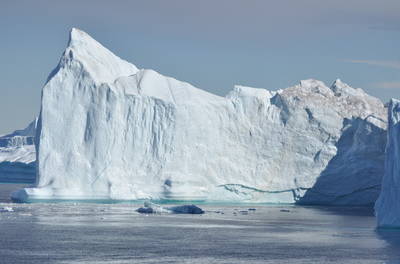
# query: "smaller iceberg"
6,209
18,156
152,208
387,207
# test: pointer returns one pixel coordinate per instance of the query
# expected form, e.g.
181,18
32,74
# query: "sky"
212,44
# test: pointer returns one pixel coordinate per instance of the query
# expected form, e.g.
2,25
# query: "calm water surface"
115,233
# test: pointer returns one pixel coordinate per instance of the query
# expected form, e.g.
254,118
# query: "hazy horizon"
212,45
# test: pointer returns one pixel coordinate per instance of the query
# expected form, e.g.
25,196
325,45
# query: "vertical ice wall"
387,207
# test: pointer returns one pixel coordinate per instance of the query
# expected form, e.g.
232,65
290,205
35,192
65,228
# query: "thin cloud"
388,85
381,63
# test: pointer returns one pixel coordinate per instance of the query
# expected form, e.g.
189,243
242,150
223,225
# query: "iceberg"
108,130
17,156
387,207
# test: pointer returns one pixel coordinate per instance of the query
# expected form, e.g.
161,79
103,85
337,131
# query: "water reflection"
94,232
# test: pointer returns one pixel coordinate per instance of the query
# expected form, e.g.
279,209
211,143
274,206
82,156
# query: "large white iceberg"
387,207
108,130
17,155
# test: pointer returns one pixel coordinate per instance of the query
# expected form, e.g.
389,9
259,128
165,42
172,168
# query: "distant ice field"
77,232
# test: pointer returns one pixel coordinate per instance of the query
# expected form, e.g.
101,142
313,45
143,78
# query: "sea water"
227,233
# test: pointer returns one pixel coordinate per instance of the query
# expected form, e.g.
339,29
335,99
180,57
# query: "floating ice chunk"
152,208
145,210
6,209
186,209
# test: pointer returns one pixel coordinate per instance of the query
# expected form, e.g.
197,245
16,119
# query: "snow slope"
17,155
387,207
110,131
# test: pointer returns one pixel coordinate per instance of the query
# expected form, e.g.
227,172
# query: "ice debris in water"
152,208
186,209
6,209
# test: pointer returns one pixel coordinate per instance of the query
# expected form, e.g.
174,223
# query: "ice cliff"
17,156
387,207
108,130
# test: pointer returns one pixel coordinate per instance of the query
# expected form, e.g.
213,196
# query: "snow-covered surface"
17,155
387,207
110,131
152,208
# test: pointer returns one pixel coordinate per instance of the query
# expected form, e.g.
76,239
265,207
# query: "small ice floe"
6,209
285,210
145,210
186,209
152,208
